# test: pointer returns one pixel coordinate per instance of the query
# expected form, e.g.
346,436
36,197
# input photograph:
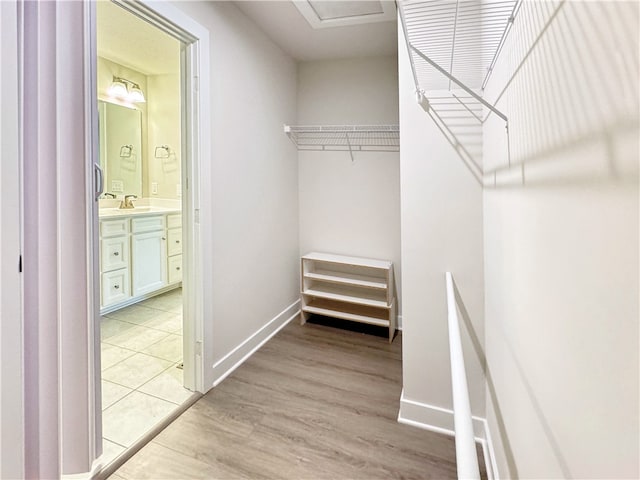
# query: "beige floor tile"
169,348
168,386
136,370
130,418
112,392
172,324
110,451
112,354
138,314
136,338
166,321
169,301
154,325
110,327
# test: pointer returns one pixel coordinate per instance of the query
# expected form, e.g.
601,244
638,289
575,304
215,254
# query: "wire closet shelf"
351,138
453,46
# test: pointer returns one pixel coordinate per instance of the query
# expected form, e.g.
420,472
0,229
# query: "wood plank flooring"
315,402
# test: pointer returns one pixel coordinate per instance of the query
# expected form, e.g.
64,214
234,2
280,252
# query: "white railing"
466,456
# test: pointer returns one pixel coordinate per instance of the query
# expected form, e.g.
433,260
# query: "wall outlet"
117,186
154,188
179,189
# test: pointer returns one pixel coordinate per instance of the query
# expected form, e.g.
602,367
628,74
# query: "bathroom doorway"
149,365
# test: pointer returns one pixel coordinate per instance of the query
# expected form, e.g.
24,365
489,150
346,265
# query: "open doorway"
146,340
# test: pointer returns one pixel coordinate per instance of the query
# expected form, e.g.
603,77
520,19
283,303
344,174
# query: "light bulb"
118,89
136,95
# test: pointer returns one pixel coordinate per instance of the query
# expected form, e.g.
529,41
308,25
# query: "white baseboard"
489,453
236,357
440,420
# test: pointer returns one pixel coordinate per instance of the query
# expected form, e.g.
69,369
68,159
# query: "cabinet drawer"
174,220
113,228
115,287
175,269
114,253
147,224
174,237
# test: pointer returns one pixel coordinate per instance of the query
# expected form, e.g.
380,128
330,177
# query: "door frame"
196,191
12,433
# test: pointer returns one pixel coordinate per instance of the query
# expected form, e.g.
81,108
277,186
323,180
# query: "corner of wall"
236,357
440,420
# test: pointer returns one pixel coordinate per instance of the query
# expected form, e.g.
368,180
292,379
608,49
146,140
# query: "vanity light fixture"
126,90
118,89
136,95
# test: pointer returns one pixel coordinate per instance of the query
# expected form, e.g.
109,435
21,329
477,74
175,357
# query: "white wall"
163,109
253,276
346,207
561,244
441,231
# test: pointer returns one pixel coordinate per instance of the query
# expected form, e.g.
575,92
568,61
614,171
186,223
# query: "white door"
149,257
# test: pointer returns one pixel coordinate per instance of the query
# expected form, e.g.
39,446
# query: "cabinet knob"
177,241
116,287
115,254
177,268
163,238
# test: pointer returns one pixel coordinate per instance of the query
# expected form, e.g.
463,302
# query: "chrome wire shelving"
351,138
453,46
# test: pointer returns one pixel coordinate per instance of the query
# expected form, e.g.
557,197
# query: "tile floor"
141,381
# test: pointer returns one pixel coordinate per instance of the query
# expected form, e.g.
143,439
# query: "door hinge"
199,348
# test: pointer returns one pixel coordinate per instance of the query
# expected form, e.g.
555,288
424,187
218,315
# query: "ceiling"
283,22
125,39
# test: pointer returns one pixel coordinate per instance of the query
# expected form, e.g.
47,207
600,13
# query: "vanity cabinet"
140,254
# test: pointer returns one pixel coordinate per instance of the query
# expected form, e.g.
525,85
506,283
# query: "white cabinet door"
149,262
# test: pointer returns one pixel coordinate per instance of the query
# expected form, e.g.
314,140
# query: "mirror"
121,149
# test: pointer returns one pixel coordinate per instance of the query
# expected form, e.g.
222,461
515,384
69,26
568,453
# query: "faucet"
109,195
128,202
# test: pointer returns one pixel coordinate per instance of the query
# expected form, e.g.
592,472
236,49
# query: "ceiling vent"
323,14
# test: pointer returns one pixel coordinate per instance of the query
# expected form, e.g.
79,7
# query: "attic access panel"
328,14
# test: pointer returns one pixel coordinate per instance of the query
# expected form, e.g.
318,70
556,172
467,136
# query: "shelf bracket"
459,83
346,134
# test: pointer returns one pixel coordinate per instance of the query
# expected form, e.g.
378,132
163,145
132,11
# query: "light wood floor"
315,402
